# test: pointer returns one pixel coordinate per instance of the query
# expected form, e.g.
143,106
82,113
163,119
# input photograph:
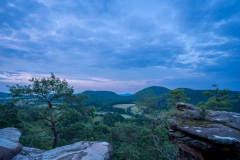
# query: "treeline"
101,99
67,118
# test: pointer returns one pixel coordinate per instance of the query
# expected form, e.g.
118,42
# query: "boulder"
9,143
185,106
78,151
218,137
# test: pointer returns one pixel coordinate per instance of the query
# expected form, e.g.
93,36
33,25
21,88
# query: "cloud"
121,41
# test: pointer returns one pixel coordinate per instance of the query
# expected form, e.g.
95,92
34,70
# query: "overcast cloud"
123,45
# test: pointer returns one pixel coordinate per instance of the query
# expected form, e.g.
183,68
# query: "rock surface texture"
77,151
217,136
9,145
10,148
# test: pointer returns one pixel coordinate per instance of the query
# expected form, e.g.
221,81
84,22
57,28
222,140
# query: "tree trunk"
155,144
55,142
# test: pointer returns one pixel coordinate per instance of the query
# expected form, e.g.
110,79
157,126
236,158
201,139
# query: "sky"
121,45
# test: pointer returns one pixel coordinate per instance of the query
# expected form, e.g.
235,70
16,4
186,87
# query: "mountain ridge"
109,97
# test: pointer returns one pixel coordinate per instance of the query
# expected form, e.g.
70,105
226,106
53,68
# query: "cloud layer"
122,46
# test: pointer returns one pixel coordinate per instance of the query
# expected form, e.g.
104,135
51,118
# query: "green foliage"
204,113
140,119
218,99
128,133
177,95
110,119
9,115
58,112
159,121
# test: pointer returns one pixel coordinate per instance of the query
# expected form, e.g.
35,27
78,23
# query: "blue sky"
121,45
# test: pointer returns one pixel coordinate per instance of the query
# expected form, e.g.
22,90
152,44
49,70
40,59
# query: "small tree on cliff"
218,100
147,104
58,110
177,95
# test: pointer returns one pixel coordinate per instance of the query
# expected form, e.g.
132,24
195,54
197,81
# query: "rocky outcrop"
213,136
10,148
77,151
9,145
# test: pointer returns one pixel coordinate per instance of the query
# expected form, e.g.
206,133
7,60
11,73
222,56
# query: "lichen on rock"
216,137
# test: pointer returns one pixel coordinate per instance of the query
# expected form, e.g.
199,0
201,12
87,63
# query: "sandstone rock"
217,138
186,106
230,119
9,145
194,152
190,110
77,151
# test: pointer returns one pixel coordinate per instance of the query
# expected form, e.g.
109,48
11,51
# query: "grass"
134,108
123,106
97,118
126,116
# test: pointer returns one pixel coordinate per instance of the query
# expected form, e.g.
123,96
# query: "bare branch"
41,142
39,132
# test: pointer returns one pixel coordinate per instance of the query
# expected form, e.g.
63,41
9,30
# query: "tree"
218,99
9,115
177,95
59,111
127,133
159,121
110,119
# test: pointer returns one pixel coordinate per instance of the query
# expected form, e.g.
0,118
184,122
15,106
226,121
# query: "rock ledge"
216,137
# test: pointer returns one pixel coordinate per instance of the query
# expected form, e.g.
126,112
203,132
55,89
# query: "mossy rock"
191,123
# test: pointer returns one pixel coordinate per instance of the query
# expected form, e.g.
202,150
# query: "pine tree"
58,112
177,95
218,99
147,104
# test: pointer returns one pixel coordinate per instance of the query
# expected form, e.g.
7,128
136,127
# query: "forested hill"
108,98
107,94
197,96
4,95
157,90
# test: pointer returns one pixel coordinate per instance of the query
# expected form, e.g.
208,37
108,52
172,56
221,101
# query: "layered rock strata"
216,135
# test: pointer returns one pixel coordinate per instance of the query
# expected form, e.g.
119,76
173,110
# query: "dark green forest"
106,99
50,115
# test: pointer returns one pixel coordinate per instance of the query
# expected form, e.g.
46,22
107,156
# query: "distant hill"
157,90
197,96
107,94
4,95
127,94
194,95
108,98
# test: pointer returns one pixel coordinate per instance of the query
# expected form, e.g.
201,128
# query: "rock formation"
210,135
77,151
9,145
10,148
